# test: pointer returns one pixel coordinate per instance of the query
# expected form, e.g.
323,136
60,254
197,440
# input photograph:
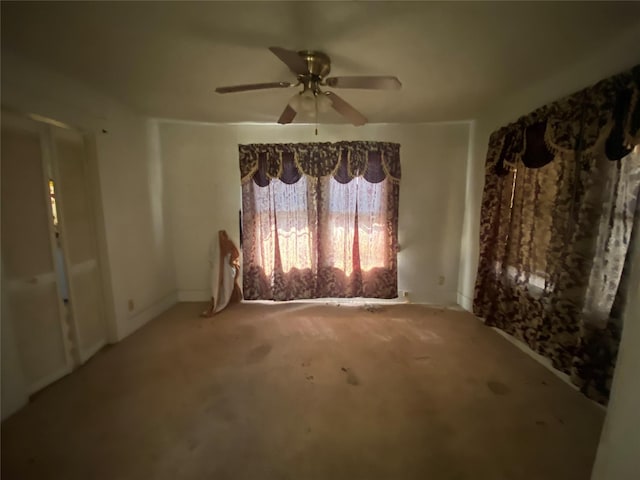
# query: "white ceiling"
165,58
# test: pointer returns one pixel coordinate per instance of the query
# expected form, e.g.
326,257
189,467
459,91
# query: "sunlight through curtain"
320,220
560,213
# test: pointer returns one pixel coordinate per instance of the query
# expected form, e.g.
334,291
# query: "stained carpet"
306,391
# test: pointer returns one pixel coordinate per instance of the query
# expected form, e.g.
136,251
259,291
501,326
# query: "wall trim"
194,295
49,379
465,302
545,362
142,317
180,121
87,353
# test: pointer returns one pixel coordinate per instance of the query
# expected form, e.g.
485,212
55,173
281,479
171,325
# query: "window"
320,233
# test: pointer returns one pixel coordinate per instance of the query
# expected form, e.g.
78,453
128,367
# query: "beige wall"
140,164
129,185
203,181
609,59
13,387
618,453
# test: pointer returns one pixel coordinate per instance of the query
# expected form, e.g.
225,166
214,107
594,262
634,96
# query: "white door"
79,238
29,285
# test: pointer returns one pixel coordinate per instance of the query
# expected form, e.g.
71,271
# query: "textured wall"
200,162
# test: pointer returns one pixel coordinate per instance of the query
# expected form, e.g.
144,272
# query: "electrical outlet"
441,280
131,305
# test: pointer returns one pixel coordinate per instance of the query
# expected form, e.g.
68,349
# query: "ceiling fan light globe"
296,102
307,101
324,103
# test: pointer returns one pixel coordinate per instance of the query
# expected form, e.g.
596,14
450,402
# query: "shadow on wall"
156,184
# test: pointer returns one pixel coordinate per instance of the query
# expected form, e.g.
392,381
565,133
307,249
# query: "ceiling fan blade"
345,109
252,86
291,59
366,82
287,115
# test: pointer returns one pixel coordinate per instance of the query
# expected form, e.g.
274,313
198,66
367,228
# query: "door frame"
70,331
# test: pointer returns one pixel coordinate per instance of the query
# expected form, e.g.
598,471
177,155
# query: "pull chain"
316,105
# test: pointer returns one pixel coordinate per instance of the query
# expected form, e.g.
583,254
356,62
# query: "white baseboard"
147,314
465,302
441,306
545,362
86,354
9,408
43,382
194,295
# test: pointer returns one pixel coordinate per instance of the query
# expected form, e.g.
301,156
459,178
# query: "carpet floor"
306,391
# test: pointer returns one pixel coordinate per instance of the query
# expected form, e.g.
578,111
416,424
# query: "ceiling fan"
311,69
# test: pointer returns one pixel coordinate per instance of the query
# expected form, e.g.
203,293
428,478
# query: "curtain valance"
556,242
605,116
345,161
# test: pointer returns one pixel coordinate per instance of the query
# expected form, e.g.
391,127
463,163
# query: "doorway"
51,274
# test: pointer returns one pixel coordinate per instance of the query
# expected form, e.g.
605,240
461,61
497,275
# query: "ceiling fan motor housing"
318,66
312,69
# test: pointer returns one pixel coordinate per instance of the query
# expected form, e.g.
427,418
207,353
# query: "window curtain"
320,220
558,220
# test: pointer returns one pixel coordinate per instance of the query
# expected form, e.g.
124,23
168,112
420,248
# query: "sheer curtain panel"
559,218
320,220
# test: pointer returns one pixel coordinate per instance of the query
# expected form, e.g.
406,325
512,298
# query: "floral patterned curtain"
559,216
320,220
